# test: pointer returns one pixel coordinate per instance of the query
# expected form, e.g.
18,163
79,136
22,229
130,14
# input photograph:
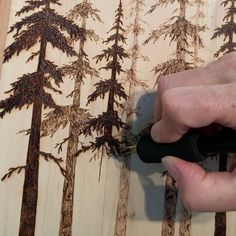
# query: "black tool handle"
194,146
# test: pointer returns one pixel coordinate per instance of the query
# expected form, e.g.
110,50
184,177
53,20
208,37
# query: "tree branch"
59,145
11,171
58,161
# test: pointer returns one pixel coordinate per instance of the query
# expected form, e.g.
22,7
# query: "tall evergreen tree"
181,32
111,89
136,29
227,31
73,115
43,26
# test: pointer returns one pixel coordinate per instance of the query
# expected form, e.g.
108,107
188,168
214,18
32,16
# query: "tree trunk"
30,188
168,223
121,215
196,41
220,224
220,217
30,191
111,96
181,45
72,148
185,222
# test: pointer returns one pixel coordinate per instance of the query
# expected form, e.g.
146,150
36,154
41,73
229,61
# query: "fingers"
185,78
202,191
194,107
218,72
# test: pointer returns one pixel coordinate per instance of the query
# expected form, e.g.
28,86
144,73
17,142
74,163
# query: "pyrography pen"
196,145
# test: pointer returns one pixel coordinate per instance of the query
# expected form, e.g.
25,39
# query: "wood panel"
63,164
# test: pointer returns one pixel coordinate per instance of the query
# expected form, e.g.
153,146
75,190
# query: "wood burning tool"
196,145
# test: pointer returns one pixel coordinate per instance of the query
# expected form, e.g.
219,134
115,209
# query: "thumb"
200,190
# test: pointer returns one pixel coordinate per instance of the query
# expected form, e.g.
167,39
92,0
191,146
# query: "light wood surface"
131,204
5,6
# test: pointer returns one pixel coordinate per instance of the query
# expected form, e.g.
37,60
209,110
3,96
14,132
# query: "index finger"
195,107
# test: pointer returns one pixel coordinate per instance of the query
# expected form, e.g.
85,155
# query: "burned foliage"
44,26
227,30
136,29
180,31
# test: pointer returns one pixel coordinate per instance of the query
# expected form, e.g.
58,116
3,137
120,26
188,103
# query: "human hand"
194,99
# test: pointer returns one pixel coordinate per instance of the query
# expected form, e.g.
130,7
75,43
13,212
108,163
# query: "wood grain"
129,197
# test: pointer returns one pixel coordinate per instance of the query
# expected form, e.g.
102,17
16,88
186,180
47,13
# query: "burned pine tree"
44,26
181,32
73,115
227,31
136,29
105,124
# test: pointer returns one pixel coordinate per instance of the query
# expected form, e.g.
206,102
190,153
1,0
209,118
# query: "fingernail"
154,133
169,163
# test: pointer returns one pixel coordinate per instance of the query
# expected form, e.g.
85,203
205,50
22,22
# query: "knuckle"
225,66
163,83
229,56
172,106
170,100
